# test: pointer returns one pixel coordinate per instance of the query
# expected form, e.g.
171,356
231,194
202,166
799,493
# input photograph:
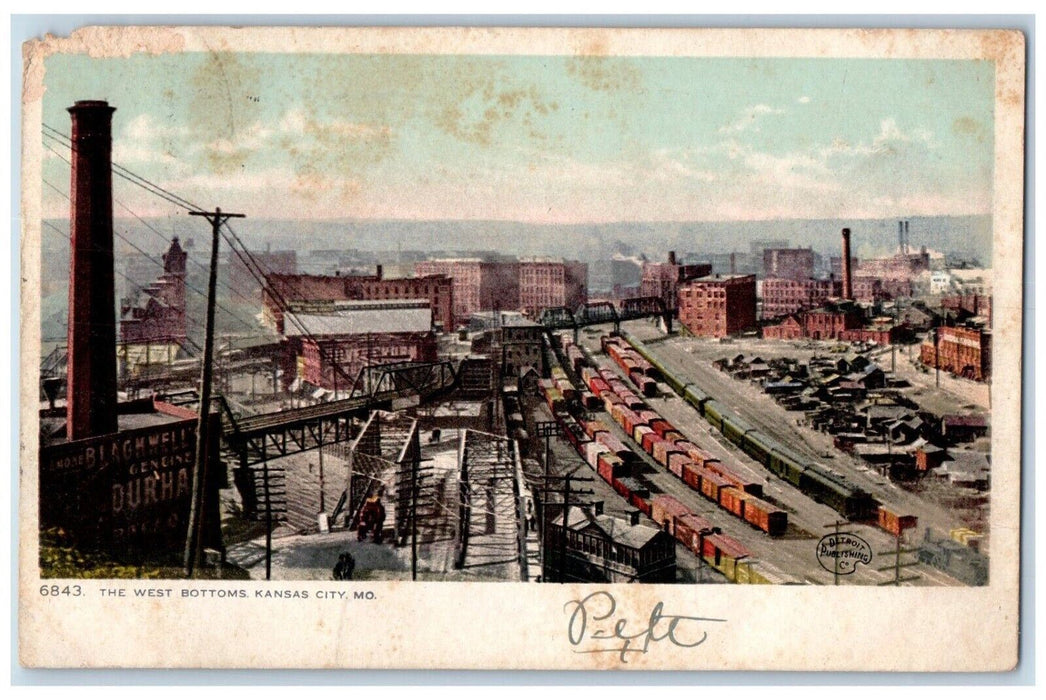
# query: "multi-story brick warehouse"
662,280
547,282
353,335
787,296
305,289
718,306
965,352
788,263
530,284
157,313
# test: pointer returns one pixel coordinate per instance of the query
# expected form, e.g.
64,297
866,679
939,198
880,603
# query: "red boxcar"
616,446
691,530
663,428
663,451
701,457
672,436
599,387
724,552
665,509
745,484
733,499
766,517
640,434
679,464
610,399
710,483
592,427
631,421
649,416
621,486
590,401
690,473
685,445
610,467
638,494
895,524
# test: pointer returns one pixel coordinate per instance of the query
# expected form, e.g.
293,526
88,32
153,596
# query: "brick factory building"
662,280
783,296
788,263
548,282
967,305
310,289
964,352
718,306
900,266
353,335
829,322
157,313
473,281
880,331
530,284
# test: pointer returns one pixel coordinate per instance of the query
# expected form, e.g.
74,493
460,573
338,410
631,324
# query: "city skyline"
541,139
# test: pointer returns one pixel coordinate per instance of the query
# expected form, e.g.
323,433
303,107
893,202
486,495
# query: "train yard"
699,481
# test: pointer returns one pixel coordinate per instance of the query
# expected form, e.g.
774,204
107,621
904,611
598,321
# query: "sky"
537,139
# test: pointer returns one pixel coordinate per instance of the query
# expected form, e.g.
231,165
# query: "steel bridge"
599,312
259,438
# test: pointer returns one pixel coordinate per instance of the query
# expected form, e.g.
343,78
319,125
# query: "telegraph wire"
225,285
260,276
188,340
251,326
127,174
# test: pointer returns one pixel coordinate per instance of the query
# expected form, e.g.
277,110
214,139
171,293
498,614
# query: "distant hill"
967,236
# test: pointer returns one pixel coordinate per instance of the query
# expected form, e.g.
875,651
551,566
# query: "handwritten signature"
593,618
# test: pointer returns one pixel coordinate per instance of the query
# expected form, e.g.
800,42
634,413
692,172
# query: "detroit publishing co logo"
841,553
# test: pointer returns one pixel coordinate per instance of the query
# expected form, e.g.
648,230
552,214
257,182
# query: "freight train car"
893,523
816,481
665,510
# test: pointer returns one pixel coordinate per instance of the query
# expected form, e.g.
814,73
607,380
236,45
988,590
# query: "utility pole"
268,522
194,538
897,565
547,429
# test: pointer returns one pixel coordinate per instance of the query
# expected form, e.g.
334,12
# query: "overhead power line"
152,259
153,229
253,266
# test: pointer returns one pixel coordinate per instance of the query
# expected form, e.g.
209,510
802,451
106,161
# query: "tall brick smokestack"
848,290
91,384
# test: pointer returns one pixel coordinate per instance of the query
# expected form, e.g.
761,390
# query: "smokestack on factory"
91,380
848,290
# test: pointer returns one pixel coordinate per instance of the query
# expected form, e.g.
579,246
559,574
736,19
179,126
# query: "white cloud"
805,99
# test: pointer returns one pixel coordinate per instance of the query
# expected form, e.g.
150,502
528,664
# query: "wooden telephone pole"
897,565
194,536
